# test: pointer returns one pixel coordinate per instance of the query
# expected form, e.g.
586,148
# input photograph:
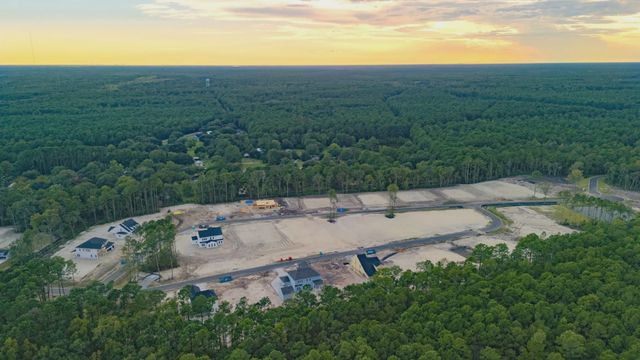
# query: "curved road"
494,224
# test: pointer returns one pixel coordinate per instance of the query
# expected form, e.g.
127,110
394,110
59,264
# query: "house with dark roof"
365,265
93,248
124,229
291,282
208,237
195,291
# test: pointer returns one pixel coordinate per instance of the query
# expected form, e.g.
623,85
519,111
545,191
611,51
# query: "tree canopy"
574,296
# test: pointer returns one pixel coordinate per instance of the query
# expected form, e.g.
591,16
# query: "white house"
209,237
293,281
124,229
93,248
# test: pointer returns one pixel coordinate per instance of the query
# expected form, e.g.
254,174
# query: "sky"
317,32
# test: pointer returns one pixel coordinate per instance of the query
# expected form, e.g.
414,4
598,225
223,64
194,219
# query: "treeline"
574,296
80,146
596,208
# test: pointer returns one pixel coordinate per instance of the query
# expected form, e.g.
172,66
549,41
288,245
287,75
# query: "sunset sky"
317,32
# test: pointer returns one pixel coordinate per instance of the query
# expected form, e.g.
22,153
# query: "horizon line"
326,65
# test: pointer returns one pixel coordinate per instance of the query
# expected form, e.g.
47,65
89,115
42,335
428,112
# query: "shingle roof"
368,264
211,231
286,290
303,273
130,225
93,243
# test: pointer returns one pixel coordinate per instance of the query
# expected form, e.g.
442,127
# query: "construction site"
254,233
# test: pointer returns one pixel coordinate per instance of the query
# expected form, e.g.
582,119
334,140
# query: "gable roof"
210,231
303,273
130,225
368,264
93,243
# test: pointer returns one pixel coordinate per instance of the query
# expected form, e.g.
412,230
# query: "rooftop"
93,243
210,231
303,273
369,263
130,224
286,290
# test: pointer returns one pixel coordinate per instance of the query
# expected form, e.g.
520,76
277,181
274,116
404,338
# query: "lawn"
251,164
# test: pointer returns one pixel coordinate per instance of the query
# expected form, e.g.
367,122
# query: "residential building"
124,229
265,204
209,237
365,265
195,291
290,282
93,248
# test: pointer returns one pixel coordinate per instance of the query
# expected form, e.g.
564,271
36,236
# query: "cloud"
478,22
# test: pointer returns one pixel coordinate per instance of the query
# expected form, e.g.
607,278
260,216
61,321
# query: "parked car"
224,279
371,251
220,218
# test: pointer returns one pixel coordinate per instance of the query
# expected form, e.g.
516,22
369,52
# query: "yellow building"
265,204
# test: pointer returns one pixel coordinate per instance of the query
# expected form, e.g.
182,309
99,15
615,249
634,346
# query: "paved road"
494,224
593,190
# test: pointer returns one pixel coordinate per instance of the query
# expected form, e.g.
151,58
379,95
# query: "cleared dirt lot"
458,195
527,221
253,288
503,190
409,259
417,196
374,199
509,189
348,201
262,242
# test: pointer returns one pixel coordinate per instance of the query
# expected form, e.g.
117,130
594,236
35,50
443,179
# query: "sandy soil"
348,201
262,242
458,194
528,221
253,288
380,199
316,203
8,237
408,259
472,242
417,196
503,190
338,273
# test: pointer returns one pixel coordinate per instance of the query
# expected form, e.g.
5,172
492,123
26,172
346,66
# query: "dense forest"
574,296
84,145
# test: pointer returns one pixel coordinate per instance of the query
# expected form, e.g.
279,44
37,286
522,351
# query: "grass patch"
505,220
563,215
603,187
583,184
251,164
